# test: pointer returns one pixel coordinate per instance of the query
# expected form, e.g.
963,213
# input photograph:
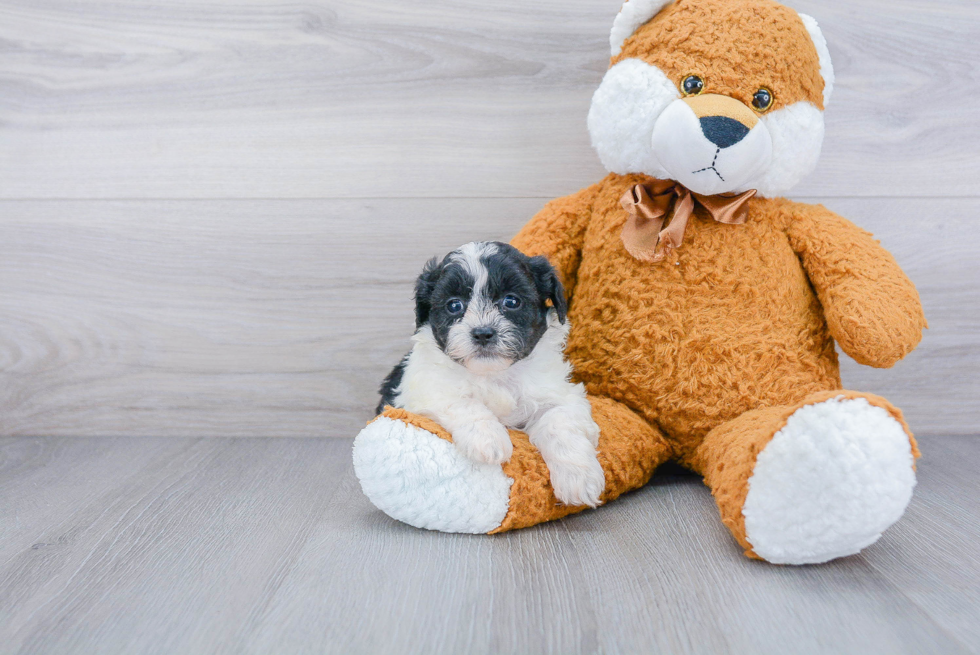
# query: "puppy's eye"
692,85
763,99
511,302
454,306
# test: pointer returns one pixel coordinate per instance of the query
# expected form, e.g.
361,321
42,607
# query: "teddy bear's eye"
763,99
692,85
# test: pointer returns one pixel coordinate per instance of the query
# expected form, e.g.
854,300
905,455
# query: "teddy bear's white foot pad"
418,478
829,483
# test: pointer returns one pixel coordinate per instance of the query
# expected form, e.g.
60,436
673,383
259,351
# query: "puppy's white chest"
499,399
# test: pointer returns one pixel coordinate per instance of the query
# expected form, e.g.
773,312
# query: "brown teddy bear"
704,308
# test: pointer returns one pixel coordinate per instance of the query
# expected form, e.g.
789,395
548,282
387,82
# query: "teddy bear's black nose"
723,131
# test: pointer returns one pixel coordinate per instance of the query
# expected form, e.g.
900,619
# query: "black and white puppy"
488,355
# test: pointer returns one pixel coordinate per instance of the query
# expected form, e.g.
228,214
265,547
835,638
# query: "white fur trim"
826,65
415,477
829,483
797,138
629,19
624,111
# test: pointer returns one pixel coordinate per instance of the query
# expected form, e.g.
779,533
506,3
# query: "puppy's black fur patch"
548,284
390,386
509,272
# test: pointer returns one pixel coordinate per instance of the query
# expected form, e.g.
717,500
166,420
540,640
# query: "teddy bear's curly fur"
722,355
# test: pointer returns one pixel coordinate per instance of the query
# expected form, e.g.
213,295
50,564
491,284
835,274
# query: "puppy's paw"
577,477
591,431
487,442
575,419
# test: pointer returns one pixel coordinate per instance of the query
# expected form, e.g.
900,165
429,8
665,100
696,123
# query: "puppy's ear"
548,284
424,287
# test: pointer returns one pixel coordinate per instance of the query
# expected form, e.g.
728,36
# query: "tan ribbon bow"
650,203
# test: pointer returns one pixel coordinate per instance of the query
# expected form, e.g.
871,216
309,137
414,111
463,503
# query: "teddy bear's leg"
409,468
811,482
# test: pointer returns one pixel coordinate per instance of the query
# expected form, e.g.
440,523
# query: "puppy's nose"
483,335
723,131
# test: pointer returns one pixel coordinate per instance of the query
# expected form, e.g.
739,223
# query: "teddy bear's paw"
484,442
421,479
829,483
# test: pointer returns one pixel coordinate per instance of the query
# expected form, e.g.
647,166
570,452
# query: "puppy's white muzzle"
481,356
711,144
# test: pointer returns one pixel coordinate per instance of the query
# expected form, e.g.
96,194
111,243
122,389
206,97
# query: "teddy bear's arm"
557,232
871,306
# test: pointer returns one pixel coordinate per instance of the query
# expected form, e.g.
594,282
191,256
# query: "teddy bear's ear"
633,14
826,66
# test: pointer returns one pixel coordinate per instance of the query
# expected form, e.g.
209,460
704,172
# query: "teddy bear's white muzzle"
710,154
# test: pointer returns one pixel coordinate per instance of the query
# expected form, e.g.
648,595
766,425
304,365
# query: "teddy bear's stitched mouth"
712,167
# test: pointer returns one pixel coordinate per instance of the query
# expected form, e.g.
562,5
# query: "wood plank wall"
211,212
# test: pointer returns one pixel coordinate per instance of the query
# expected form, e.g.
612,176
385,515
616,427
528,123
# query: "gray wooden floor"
175,545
